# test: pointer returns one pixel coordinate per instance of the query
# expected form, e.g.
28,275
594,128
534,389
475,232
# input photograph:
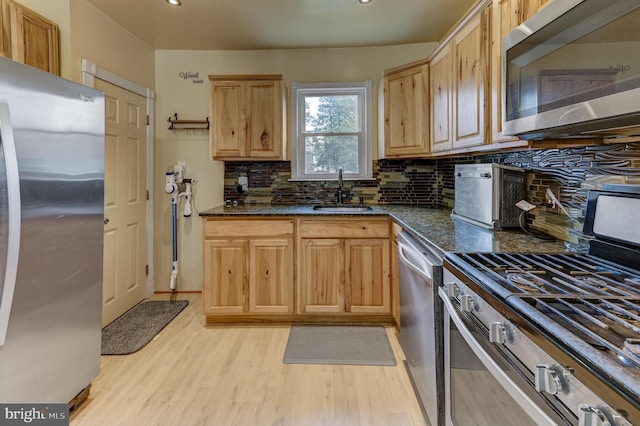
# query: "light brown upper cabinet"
459,86
528,8
5,29
247,118
406,111
28,37
441,94
464,111
470,82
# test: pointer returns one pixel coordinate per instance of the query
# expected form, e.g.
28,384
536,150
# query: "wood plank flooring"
234,375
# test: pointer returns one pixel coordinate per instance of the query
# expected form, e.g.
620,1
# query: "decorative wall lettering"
193,76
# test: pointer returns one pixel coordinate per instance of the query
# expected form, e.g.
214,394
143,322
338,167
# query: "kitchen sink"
342,208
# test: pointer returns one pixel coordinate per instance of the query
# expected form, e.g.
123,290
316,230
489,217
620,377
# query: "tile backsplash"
407,182
568,172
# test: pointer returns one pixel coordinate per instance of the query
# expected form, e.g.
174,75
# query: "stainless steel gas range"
548,338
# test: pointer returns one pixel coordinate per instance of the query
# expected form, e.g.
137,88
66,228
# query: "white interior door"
124,200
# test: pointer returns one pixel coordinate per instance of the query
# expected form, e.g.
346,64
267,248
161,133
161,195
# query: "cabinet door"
264,103
271,276
406,113
368,276
321,286
506,16
225,276
227,116
34,39
440,94
531,7
5,29
470,79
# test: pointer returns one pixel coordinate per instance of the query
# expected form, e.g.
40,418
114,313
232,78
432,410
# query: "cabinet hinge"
146,269
147,195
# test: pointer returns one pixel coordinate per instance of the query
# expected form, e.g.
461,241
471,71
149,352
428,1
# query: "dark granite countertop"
432,226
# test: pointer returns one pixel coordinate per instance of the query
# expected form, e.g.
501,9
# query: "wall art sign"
193,76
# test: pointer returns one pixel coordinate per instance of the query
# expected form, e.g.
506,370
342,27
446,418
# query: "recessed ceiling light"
364,1
174,2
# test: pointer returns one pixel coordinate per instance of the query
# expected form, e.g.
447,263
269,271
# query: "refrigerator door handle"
14,220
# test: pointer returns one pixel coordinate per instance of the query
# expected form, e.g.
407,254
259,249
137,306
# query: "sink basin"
342,208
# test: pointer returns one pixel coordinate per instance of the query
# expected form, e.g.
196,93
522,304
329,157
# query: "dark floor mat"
133,330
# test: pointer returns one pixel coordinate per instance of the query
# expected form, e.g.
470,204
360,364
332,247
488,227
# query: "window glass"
337,113
331,130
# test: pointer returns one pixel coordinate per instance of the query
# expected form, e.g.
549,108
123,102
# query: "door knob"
106,220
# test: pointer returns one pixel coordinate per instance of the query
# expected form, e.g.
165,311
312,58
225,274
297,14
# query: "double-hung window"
331,130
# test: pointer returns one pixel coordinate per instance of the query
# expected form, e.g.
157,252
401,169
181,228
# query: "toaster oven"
486,194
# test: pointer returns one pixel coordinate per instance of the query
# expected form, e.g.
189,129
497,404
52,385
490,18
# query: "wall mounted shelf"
188,125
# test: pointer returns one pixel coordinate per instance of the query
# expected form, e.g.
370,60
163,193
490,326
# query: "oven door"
482,386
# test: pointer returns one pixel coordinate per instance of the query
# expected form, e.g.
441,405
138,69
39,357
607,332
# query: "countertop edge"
433,227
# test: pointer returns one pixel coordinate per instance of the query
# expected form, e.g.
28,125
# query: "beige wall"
86,32
189,98
101,40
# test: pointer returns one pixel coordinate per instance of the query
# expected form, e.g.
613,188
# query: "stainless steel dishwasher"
421,330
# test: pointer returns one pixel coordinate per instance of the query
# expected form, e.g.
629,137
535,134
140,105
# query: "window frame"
299,91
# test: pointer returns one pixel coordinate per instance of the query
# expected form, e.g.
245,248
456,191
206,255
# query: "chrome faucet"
340,185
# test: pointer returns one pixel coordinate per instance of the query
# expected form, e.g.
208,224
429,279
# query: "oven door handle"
505,381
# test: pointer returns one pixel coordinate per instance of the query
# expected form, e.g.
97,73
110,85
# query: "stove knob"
547,380
452,289
466,303
592,416
497,332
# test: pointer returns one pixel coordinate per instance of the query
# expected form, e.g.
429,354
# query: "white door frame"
90,71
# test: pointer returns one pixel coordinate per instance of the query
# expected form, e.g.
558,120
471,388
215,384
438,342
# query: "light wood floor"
233,375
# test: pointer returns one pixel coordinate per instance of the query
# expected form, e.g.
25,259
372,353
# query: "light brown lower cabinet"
344,267
368,286
248,267
297,270
225,276
322,278
271,276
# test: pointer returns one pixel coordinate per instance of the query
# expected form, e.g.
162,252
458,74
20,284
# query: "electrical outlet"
243,182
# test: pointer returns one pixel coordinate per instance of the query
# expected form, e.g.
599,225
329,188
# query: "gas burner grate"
557,274
606,324
594,299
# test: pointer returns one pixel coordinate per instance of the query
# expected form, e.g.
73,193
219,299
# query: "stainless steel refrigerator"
51,232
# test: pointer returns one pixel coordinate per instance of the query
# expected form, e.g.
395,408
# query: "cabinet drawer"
344,228
216,228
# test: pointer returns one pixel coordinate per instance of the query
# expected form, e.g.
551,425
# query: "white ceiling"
283,24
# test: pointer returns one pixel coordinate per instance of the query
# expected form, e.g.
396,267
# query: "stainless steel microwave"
573,70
